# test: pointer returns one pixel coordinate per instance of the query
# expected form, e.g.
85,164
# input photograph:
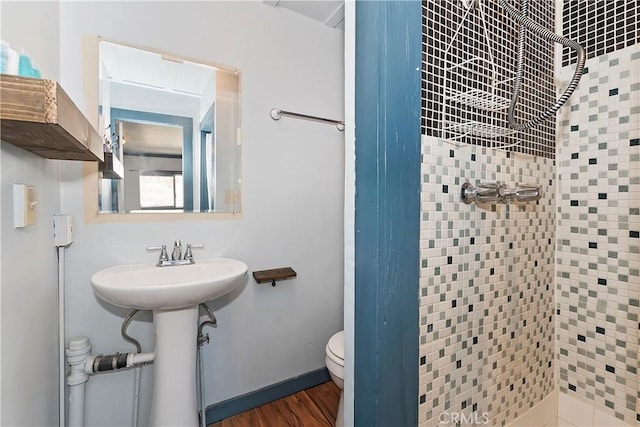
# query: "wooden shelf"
37,115
274,274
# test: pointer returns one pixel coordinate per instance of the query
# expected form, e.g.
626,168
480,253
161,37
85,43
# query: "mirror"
172,133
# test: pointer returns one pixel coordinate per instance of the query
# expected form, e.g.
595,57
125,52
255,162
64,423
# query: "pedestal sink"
173,293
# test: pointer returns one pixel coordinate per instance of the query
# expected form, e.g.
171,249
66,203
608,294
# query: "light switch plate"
24,205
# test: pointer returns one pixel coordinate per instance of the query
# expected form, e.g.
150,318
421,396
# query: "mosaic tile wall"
598,237
468,66
600,26
486,282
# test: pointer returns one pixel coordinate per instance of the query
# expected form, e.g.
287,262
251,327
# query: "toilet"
334,360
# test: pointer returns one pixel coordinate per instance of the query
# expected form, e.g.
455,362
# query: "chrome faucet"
176,255
497,192
177,258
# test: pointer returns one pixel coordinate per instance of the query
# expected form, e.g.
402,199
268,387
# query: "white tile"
601,419
548,408
535,416
523,420
574,411
564,423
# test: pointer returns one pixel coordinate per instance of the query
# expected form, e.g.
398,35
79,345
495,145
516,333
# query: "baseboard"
236,405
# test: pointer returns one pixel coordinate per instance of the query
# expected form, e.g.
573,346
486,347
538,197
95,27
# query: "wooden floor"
314,407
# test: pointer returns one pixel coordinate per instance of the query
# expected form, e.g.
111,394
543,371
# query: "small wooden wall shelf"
274,274
37,115
112,168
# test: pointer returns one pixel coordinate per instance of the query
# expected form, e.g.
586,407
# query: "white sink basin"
173,293
148,287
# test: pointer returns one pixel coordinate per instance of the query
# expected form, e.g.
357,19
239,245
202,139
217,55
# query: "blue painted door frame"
387,217
187,143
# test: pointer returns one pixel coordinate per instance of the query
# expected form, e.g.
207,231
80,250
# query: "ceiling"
330,13
151,138
129,65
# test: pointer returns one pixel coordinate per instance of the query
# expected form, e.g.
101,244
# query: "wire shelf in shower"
477,98
476,129
474,71
474,91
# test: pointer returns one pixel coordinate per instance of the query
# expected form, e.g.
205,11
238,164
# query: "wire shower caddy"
473,102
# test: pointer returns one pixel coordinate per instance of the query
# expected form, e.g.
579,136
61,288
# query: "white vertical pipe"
77,353
76,405
61,337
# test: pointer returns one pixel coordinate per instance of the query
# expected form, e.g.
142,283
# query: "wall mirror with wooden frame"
174,124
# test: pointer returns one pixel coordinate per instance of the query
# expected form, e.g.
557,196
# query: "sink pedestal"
174,377
174,294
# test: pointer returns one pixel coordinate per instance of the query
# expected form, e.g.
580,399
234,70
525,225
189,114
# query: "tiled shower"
519,302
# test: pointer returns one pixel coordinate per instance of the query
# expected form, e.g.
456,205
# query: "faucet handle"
188,255
163,252
528,192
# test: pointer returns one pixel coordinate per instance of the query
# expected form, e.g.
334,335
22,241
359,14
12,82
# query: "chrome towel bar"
497,192
276,114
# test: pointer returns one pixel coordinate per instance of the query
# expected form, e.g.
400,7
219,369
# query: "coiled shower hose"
526,23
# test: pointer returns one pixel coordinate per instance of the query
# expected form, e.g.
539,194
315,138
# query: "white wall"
292,187
28,270
350,207
228,149
208,95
